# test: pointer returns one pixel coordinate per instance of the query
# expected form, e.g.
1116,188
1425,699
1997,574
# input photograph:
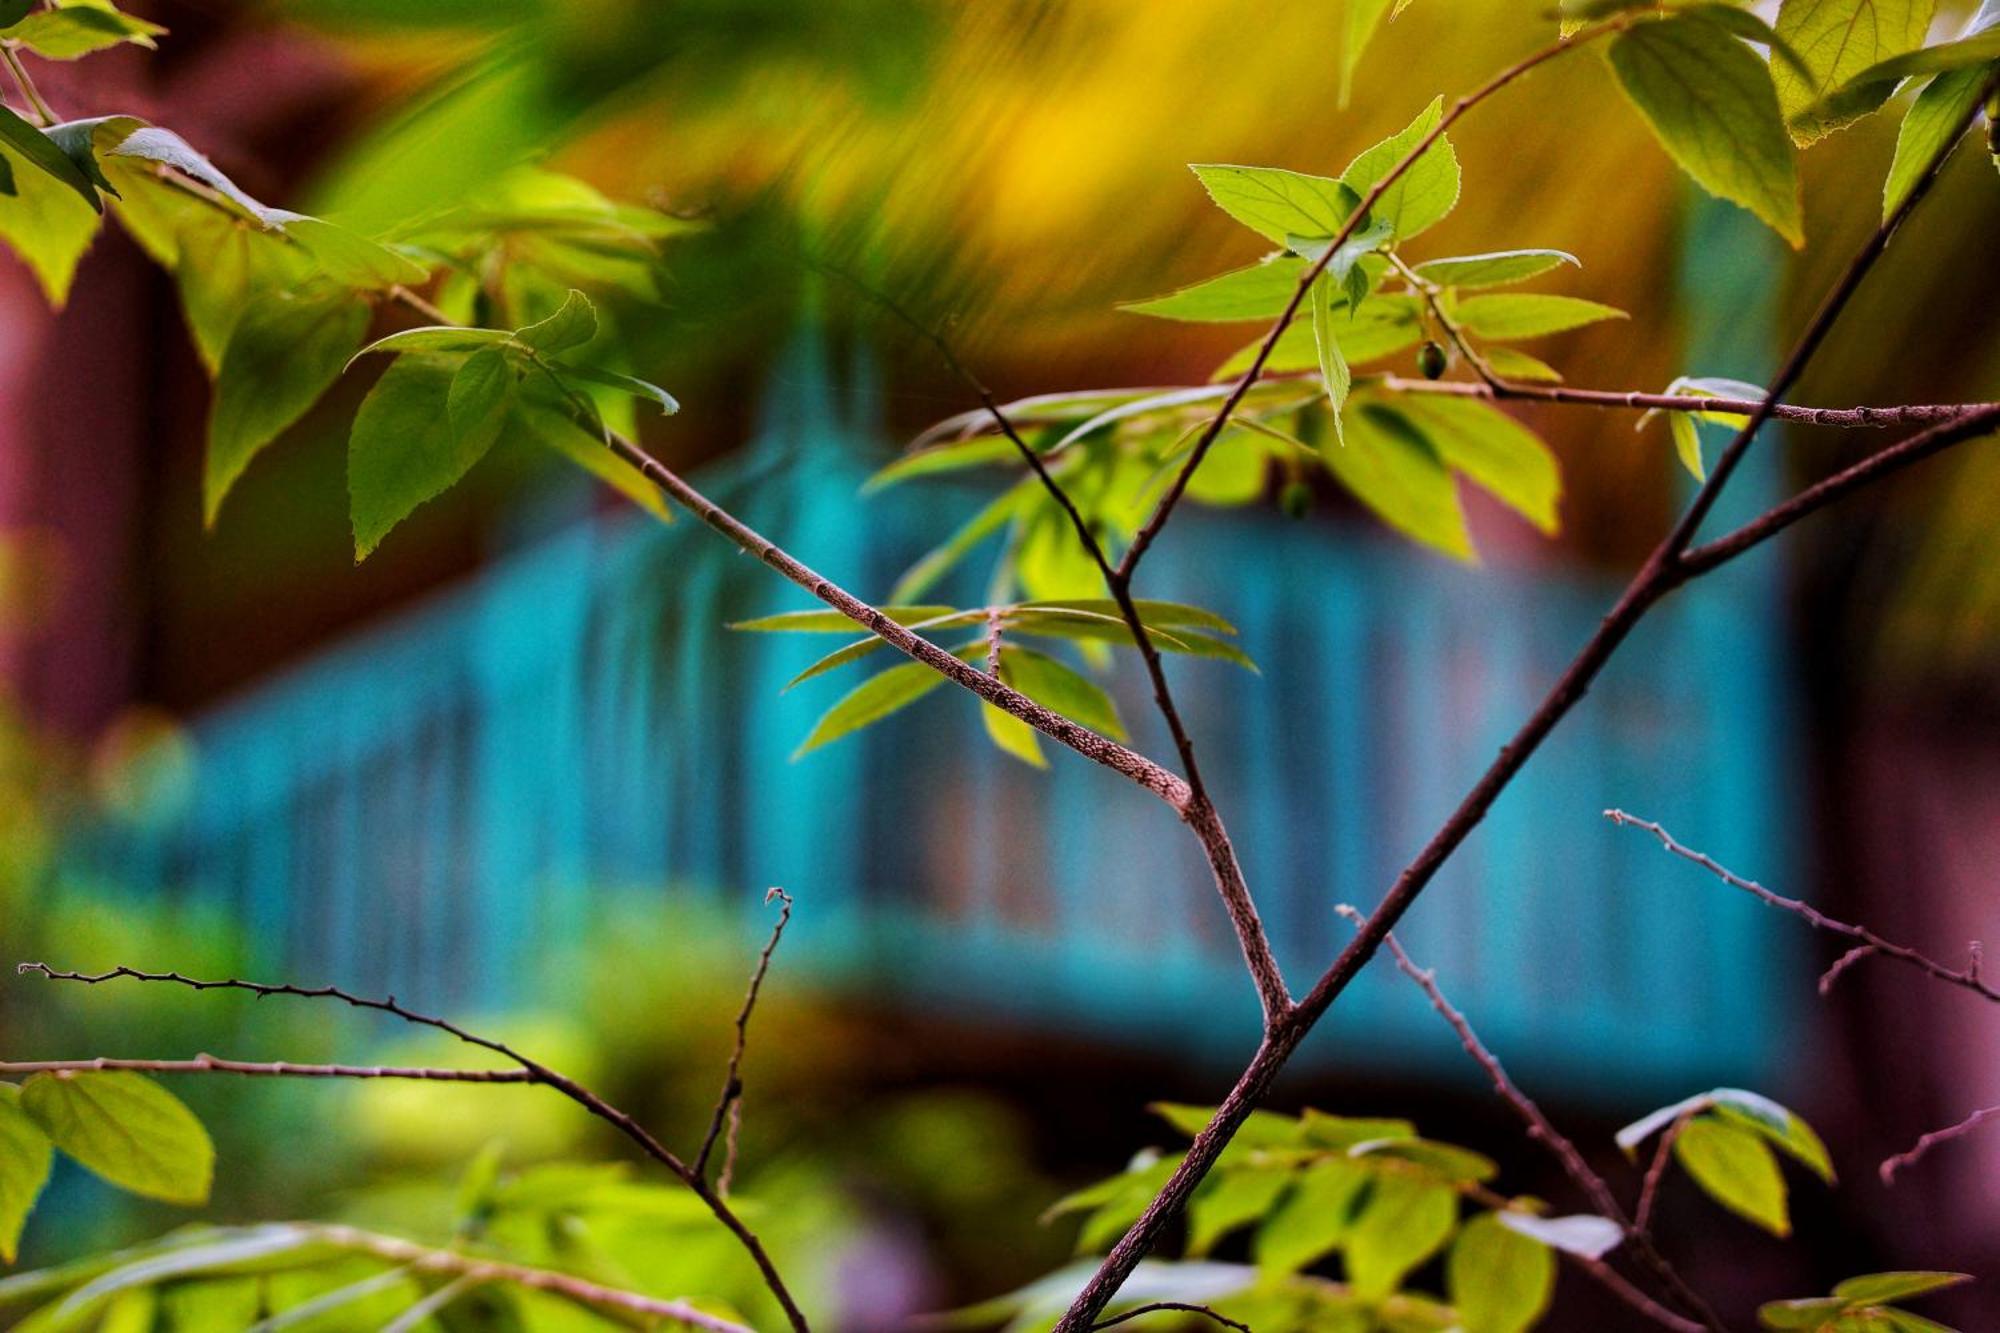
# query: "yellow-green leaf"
1333,371
1422,196
1398,475
1404,1222
1500,1281
1258,292
43,221
125,1128
1710,101
1492,449
284,351
1509,316
1941,112
402,449
1276,203
1837,39
1737,1169
25,1157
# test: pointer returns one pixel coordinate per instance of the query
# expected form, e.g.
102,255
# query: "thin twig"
473,1269
732,1083
1433,296
1176,1307
1840,966
1198,810
1915,414
1649,1188
1658,576
1966,978
43,115
212,1064
1981,420
535,1071
1543,1131
1163,511
1931,1140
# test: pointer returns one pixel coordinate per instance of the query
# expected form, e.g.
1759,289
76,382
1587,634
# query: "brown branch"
1967,977
535,1072
1543,1131
1915,414
1177,1307
1198,810
1970,424
1931,1140
474,1270
1165,508
731,1100
1657,577
1649,1188
212,1064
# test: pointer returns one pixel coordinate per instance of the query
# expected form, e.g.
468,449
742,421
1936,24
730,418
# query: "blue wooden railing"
433,804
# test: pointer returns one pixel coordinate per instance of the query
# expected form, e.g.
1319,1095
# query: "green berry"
1431,360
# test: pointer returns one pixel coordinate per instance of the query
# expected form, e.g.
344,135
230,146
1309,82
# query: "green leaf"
1838,39
1512,316
1398,475
25,1158
1258,292
1814,1312
1893,1320
284,351
611,379
879,696
1421,196
1982,47
1636,1133
1012,735
1340,1133
1781,1128
212,1303
1383,327
573,325
44,222
1152,614
223,266
477,402
350,258
76,28
1500,1281
1055,685
1736,1168
402,450
1494,270
13,11
1584,1234
1403,1223
1687,443
1314,1218
1511,363
1882,1288
436,338
1361,19
1444,1163
1492,449
833,622
1229,1201
127,1129
1333,371
130,137
38,149
1711,103
543,414
1276,203
1941,112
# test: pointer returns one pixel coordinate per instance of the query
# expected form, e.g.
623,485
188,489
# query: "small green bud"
1431,360
1296,499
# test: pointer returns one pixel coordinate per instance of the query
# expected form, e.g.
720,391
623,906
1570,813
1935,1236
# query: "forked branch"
530,1071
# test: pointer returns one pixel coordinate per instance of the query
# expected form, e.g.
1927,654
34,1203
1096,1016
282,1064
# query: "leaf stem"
44,117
